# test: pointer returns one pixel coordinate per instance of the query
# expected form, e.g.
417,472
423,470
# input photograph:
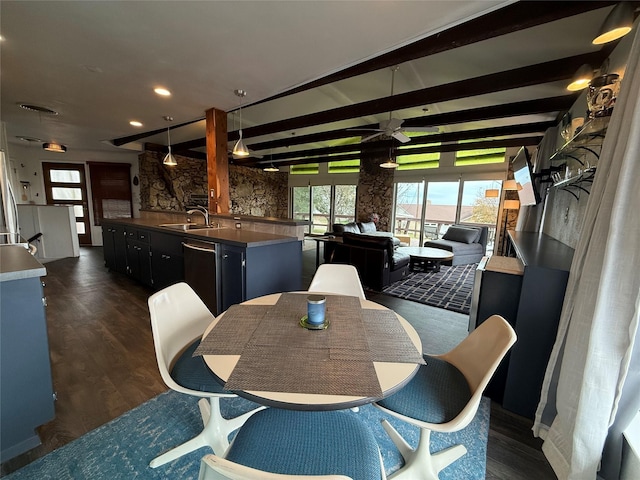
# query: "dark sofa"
375,257
467,243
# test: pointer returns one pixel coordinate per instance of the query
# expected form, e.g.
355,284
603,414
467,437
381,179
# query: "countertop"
233,236
246,218
17,263
541,251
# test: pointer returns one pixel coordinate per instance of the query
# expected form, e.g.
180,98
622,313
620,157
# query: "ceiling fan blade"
364,130
371,136
421,129
393,124
401,137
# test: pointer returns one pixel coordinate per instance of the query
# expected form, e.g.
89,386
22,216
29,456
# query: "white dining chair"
178,320
278,444
337,278
444,396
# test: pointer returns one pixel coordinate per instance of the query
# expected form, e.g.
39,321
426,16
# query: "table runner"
278,355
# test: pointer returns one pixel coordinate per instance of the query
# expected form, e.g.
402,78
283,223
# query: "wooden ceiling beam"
482,133
546,72
527,107
453,147
508,19
154,147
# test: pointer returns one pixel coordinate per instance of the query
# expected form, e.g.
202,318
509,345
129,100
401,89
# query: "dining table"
262,350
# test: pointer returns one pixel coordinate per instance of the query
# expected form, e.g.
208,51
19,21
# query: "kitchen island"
223,265
288,227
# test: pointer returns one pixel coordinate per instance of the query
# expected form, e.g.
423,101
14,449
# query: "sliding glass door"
425,210
324,205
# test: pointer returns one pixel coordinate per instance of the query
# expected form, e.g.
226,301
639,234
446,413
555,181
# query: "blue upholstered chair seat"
191,372
436,394
307,443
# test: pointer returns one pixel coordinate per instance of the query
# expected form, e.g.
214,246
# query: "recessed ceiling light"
162,91
135,123
37,108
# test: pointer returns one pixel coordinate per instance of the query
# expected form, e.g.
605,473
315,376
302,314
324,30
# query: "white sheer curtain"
591,383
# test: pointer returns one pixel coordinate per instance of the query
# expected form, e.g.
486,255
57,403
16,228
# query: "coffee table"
426,258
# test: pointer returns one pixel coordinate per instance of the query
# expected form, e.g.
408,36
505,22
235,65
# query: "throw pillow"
462,234
345,227
367,227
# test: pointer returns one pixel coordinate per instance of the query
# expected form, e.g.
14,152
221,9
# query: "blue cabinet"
26,389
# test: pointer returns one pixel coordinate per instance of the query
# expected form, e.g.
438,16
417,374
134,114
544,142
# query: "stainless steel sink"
189,226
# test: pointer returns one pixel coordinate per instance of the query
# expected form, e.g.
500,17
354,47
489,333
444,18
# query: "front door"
65,184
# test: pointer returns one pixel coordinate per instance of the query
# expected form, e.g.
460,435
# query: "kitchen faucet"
201,210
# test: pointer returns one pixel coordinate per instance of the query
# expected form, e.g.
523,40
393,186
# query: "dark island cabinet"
232,265
115,247
138,255
167,260
156,258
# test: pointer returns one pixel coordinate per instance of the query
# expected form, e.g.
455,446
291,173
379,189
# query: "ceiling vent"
37,108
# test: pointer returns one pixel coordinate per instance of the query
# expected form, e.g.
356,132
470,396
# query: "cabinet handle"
225,256
44,301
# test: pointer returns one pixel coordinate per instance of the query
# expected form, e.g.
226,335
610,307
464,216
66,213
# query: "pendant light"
390,163
581,78
169,160
271,167
618,23
54,147
240,148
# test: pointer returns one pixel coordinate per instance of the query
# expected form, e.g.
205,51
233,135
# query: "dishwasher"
201,272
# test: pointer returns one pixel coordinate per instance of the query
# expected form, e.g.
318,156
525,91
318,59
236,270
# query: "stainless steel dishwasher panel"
201,272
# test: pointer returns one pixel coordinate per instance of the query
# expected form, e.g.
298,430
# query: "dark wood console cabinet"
532,303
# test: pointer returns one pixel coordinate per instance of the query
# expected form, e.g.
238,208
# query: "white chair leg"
420,463
215,433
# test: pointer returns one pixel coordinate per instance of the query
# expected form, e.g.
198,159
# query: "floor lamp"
507,205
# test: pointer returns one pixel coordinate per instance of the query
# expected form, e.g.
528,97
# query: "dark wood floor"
103,364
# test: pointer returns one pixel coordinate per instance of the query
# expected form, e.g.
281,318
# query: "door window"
65,185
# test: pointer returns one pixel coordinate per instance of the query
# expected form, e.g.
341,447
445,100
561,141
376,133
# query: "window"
324,205
344,166
110,190
425,210
480,157
308,169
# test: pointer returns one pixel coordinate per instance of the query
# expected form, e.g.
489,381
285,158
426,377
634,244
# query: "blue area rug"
450,288
123,448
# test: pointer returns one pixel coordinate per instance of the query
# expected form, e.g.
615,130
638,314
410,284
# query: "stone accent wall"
170,188
375,190
257,193
251,191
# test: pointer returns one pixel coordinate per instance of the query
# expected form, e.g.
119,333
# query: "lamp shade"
492,193
511,205
169,160
510,185
581,78
389,164
618,23
240,149
54,147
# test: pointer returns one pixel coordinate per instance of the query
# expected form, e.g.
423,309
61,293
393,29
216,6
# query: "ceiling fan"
393,126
